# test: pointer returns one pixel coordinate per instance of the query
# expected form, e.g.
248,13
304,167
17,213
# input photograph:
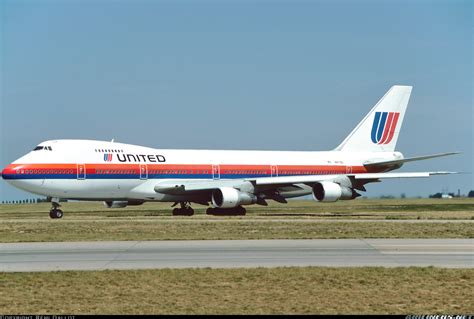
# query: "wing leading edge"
180,187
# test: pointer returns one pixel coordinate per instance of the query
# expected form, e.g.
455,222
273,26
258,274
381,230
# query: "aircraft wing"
320,178
181,187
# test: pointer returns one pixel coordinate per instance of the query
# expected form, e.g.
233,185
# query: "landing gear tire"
185,210
56,213
236,211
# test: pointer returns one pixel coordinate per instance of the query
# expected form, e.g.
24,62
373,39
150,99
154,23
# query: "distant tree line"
440,195
437,195
48,199
29,201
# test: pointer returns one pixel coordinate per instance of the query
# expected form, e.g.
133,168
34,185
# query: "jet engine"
228,197
331,192
121,204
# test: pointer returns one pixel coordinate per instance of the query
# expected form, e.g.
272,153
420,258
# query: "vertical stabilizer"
378,131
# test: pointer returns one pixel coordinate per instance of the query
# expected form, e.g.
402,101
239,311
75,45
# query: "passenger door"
216,174
143,171
81,171
348,169
274,170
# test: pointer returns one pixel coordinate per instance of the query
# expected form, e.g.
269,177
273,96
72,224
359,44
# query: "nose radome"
6,172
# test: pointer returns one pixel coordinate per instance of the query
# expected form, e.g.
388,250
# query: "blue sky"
274,75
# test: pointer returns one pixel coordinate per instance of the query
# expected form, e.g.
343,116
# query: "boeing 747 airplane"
122,174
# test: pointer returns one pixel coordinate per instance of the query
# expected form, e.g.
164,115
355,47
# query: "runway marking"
460,253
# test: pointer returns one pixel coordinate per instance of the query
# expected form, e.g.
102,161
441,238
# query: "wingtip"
401,86
444,173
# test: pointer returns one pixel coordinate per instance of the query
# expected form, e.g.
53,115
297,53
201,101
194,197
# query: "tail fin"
378,131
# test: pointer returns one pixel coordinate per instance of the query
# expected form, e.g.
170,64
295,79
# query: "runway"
30,257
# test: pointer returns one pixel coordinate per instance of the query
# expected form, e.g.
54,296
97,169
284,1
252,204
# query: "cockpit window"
46,148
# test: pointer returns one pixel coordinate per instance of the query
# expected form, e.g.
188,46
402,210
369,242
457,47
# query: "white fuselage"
97,170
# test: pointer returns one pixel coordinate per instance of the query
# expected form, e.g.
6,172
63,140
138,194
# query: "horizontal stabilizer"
400,175
406,160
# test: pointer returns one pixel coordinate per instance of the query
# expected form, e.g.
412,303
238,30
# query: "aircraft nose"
6,172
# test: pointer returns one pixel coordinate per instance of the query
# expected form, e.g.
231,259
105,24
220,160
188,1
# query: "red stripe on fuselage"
185,169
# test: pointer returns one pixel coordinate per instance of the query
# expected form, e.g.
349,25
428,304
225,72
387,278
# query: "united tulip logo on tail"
107,157
384,126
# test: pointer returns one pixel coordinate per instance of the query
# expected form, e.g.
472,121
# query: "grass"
292,290
297,220
202,230
305,290
462,208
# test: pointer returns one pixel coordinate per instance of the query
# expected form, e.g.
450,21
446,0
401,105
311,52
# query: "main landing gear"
236,211
55,211
184,210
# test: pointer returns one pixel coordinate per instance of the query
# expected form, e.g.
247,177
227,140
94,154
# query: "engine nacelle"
121,204
331,192
228,197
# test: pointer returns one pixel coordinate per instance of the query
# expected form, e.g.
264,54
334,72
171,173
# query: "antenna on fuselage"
112,140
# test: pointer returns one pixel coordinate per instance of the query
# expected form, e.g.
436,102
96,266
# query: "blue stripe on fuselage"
128,176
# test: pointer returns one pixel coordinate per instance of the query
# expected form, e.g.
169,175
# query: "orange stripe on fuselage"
188,168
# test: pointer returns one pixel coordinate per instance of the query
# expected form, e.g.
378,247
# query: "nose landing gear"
55,211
